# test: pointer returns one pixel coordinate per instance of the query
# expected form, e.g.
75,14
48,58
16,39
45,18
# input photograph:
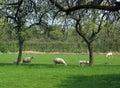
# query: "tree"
16,13
93,27
23,14
77,10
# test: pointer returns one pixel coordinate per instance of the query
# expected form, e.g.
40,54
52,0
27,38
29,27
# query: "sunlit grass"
42,73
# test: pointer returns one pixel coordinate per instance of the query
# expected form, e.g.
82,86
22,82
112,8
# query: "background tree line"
57,40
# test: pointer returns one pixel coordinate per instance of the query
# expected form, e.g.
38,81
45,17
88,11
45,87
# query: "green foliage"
55,40
42,71
2,22
52,46
109,39
56,35
3,48
1,1
89,27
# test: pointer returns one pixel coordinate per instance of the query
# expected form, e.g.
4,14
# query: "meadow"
43,73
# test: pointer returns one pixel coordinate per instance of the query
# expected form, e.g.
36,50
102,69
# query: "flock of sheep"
61,61
25,60
81,62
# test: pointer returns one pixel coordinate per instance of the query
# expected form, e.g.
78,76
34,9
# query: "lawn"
42,73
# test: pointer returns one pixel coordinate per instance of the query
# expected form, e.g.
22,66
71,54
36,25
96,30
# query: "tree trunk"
90,54
20,51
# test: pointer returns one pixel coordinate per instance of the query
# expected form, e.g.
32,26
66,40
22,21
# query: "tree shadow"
32,65
6,64
106,65
53,65
39,65
95,81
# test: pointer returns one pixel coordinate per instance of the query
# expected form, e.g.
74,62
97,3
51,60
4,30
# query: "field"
42,73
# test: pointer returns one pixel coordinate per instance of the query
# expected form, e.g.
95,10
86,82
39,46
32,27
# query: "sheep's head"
65,64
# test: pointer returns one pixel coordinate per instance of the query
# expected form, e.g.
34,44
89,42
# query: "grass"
42,73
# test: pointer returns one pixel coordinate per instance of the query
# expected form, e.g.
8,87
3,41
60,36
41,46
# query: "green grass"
42,73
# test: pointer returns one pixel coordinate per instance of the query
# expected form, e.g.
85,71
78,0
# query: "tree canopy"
23,14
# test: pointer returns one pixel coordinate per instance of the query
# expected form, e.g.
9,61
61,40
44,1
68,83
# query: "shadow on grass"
53,65
6,64
39,65
97,81
33,65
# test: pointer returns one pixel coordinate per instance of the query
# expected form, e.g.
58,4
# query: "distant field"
42,73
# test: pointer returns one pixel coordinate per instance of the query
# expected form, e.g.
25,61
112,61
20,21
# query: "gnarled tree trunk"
20,50
91,60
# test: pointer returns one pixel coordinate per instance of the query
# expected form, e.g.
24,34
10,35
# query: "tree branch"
108,8
79,31
58,5
98,30
94,6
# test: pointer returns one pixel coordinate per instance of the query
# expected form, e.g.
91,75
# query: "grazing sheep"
27,59
109,54
15,62
81,62
60,61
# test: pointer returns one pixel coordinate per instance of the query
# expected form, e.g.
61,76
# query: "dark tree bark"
87,6
21,42
91,59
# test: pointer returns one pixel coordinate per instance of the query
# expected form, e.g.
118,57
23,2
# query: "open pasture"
43,73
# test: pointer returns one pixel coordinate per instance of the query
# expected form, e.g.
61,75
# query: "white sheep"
27,59
60,61
109,54
83,62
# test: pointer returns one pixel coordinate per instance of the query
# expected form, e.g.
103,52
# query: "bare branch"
58,5
94,6
79,31
93,35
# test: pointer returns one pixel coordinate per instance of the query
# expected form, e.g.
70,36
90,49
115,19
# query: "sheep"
15,62
27,59
60,61
109,54
81,62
